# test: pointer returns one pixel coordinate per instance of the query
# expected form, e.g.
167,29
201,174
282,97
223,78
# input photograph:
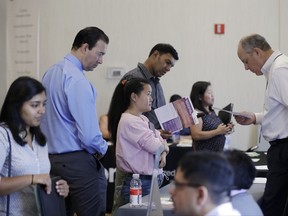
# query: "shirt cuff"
259,117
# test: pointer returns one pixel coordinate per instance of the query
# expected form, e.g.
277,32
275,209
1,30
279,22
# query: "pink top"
136,144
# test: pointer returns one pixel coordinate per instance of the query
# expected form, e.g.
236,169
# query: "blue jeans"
122,188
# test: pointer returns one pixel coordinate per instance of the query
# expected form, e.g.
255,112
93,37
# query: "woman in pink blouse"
135,138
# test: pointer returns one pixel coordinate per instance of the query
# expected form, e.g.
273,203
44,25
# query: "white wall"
283,25
135,26
3,86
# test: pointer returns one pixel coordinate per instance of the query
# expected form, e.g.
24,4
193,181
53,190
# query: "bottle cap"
135,176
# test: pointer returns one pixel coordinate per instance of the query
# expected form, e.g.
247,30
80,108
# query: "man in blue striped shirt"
71,125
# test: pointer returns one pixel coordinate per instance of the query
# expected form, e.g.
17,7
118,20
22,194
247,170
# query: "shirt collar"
266,67
74,61
147,73
235,192
221,209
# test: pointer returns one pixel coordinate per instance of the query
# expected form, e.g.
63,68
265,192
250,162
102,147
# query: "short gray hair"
254,41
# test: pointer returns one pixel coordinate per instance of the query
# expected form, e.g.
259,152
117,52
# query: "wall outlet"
115,72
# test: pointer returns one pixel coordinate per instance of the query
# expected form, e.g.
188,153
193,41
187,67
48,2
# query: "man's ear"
203,195
84,47
258,51
155,53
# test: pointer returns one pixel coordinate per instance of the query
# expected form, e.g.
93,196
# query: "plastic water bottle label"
136,196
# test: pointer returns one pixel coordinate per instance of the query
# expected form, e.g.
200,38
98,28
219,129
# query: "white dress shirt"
275,114
225,209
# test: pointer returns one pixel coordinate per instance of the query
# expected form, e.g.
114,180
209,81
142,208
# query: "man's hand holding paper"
245,118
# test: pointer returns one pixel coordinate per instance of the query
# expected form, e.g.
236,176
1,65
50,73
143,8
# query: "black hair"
174,97
209,169
163,49
244,169
89,35
20,91
197,94
121,101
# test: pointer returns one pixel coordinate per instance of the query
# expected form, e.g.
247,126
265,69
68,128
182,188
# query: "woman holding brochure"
210,133
135,138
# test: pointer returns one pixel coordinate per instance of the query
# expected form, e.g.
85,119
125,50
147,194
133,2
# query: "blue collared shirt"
70,122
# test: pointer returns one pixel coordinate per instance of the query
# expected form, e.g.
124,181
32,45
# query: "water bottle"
174,139
135,190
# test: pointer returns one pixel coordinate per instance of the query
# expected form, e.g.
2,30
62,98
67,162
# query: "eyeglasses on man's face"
179,185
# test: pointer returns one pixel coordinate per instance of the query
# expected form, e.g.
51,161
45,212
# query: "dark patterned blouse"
210,122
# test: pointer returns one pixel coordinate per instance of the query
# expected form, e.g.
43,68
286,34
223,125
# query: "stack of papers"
259,180
255,159
261,167
252,154
185,143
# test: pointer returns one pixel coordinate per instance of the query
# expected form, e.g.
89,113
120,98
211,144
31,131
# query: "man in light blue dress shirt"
71,125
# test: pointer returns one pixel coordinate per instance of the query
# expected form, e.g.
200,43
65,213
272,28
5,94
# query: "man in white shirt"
258,57
202,184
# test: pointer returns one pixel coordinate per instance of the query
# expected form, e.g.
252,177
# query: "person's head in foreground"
202,185
244,169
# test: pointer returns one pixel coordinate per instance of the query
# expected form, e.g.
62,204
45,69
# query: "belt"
279,141
144,177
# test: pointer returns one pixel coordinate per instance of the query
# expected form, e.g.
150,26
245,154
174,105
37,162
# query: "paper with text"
177,115
234,113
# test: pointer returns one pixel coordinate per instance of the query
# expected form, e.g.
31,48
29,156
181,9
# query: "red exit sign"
219,28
